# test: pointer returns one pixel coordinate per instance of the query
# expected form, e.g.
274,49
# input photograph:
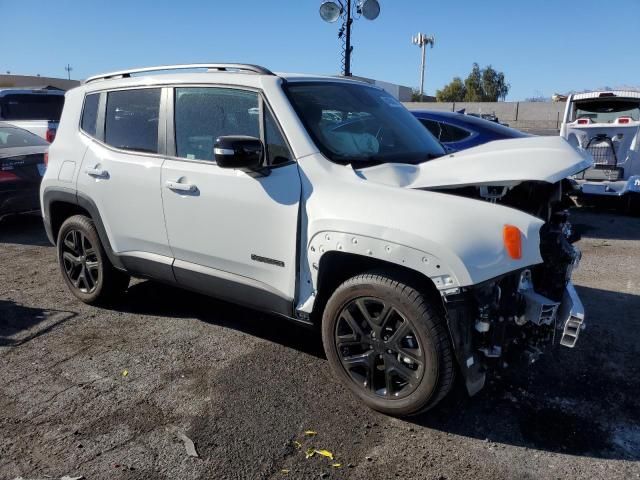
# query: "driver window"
277,149
204,114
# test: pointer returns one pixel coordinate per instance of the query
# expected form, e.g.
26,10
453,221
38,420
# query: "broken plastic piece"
188,445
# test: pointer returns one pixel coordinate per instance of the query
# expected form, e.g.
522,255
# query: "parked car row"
29,119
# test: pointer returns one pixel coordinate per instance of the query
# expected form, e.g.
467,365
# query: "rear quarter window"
90,114
131,119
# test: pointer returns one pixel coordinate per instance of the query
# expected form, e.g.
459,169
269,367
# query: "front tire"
388,344
84,265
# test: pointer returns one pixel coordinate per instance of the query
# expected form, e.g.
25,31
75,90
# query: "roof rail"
222,67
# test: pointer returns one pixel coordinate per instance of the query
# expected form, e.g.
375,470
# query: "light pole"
331,10
422,41
68,68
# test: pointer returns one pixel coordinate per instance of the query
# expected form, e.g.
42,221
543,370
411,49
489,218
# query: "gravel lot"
244,386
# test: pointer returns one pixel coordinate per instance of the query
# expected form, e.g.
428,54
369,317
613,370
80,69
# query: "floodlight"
370,9
330,11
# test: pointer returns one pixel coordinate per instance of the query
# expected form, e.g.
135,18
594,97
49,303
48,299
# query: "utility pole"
347,51
68,68
422,41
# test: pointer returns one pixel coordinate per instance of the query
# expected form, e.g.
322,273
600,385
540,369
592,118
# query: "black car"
22,164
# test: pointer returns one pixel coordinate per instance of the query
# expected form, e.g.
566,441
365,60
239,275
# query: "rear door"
120,173
234,235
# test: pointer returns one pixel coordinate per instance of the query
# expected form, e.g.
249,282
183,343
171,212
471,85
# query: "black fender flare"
52,195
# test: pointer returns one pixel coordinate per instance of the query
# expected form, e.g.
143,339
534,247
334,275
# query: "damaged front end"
521,312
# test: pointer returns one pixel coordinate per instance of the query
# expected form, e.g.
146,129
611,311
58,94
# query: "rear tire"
84,265
388,344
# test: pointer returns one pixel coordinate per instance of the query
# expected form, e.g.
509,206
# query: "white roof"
596,94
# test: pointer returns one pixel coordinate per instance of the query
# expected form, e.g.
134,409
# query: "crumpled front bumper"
570,317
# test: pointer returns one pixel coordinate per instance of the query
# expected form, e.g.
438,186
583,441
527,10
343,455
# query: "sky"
542,46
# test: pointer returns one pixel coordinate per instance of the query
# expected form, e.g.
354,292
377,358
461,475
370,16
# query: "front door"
233,235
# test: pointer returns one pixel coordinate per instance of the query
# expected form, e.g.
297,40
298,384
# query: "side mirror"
240,152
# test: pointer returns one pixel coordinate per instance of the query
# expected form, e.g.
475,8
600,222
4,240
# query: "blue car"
457,131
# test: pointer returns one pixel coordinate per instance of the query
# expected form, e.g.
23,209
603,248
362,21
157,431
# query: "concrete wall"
521,115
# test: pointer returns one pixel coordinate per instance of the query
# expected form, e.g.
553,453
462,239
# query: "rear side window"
131,119
451,133
204,114
90,113
432,126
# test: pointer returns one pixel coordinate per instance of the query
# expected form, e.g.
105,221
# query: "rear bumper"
609,188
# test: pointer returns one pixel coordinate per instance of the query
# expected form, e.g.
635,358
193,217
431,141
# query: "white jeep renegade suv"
323,200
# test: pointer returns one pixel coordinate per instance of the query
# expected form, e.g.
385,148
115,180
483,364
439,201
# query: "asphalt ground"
113,393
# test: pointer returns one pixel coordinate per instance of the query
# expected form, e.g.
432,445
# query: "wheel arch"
60,204
335,267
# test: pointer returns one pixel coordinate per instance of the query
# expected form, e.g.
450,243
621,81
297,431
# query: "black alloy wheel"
387,341
84,264
80,261
378,348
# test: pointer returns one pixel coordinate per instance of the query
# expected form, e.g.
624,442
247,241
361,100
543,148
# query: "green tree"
454,92
481,85
473,85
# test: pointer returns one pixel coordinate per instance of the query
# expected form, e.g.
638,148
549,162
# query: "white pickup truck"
36,110
607,125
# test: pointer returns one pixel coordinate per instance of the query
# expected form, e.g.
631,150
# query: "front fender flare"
440,274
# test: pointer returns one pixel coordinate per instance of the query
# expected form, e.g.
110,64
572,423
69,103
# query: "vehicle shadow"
24,229
152,298
581,401
20,324
606,224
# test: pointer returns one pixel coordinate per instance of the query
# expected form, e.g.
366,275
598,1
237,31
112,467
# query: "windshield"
31,106
607,111
17,137
353,123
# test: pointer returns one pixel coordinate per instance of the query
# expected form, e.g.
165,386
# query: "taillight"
512,239
46,158
50,135
8,177
624,120
583,121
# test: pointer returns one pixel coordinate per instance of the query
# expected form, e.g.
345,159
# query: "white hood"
502,162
